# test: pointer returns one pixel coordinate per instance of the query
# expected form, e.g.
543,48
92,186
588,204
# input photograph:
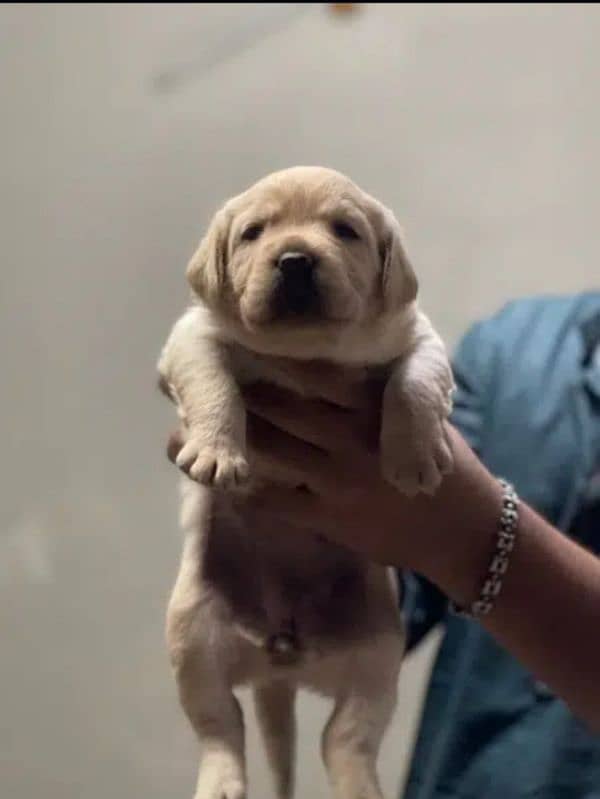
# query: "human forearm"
548,612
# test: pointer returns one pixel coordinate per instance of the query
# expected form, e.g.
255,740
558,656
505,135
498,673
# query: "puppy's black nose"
295,262
298,290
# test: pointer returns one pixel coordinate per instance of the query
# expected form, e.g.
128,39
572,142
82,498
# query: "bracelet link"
505,543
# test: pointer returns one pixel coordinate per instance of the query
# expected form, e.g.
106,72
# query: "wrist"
464,516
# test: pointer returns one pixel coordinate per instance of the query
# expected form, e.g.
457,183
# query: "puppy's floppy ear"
399,282
206,269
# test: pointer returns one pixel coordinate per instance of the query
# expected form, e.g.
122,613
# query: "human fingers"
343,386
300,507
328,427
277,456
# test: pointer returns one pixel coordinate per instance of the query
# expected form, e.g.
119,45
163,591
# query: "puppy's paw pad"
442,454
231,470
419,466
233,790
217,465
228,789
414,477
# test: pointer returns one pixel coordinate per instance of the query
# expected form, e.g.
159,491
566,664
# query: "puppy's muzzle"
296,290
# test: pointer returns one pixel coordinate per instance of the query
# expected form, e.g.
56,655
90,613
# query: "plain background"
122,129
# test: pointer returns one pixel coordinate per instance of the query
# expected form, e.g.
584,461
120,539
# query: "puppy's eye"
344,231
252,232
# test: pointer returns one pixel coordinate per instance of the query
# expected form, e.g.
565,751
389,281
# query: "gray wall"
123,127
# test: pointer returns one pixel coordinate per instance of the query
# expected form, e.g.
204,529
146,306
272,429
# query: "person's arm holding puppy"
548,612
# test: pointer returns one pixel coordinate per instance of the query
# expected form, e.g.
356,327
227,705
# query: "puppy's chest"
251,367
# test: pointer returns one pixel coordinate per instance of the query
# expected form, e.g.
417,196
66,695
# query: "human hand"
319,469
332,454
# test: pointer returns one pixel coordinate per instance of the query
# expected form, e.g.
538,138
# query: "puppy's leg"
416,402
362,712
195,369
200,652
274,703
216,717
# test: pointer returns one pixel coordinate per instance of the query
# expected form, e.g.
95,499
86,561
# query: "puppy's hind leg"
213,710
362,712
274,703
216,717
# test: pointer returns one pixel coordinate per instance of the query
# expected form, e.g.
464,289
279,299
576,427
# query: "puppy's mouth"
296,295
299,289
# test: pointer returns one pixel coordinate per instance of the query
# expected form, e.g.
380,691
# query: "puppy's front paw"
415,459
220,463
227,789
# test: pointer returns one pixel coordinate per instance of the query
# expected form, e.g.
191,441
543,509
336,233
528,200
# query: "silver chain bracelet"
505,542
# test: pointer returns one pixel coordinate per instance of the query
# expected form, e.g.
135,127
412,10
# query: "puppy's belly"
269,581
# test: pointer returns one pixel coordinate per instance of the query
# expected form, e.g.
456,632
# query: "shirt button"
541,690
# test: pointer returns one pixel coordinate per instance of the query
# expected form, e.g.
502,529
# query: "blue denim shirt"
528,402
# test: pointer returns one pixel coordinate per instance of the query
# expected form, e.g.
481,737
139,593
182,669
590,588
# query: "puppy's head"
303,247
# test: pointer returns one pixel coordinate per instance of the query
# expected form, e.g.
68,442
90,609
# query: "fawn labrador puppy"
302,266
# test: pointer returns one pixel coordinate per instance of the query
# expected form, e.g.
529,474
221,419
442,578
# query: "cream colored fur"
221,615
